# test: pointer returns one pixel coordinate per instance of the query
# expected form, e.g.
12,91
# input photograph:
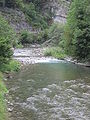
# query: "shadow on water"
51,91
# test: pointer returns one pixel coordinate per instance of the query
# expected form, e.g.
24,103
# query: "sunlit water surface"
51,91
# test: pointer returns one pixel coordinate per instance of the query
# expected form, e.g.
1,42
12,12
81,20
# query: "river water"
51,91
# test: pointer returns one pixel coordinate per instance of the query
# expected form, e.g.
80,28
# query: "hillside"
16,19
36,18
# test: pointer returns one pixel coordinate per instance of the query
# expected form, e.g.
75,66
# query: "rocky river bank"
32,55
35,54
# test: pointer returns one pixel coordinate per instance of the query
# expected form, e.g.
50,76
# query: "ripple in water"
45,95
57,103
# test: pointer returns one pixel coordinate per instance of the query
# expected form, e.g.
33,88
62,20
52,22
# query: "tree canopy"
6,41
77,30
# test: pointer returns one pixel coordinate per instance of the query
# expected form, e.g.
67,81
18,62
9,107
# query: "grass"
3,90
56,52
12,66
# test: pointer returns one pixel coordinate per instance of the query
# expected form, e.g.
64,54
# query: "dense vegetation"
56,52
75,40
33,11
7,40
77,30
74,37
52,35
27,37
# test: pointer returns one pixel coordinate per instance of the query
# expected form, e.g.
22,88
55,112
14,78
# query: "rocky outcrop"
58,8
16,19
61,12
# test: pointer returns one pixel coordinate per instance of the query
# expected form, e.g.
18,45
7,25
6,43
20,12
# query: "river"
51,91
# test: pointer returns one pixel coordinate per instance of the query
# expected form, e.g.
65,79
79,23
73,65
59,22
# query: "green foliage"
27,37
42,36
32,13
6,41
38,3
2,86
77,30
55,33
34,17
3,115
56,52
19,3
12,66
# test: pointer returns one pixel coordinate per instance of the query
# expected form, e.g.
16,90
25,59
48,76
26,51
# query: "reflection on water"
51,91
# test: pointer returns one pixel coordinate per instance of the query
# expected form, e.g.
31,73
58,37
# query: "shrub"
19,3
55,52
6,41
42,36
13,65
27,37
34,17
77,30
55,33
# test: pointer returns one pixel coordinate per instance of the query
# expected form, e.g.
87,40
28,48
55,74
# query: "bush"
55,33
19,3
55,52
13,65
27,37
42,36
34,17
77,30
7,37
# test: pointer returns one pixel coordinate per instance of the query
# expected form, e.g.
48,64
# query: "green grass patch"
55,52
12,66
3,90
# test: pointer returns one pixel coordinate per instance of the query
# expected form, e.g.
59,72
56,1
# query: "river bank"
33,54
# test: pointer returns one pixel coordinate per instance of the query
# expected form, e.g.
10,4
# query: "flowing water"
51,91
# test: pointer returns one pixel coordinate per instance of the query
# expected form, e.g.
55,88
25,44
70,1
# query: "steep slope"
16,18
25,14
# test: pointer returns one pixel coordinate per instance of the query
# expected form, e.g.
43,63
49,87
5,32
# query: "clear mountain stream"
51,91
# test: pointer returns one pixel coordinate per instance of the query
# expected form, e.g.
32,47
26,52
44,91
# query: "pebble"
10,109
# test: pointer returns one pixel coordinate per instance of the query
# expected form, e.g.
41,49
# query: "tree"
77,30
6,41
